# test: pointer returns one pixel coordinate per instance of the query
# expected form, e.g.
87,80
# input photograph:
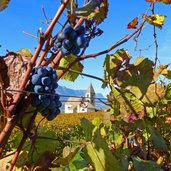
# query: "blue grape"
67,44
58,104
45,112
51,117
42,71
42,96
58,111
41,107
54,77
30,87
55,85
58,44
49,70
57,98
35,79
46,80
64,51
38,89
46,102
69,33
80,41
80,30
53,110
48,88
35,101
52,104
75,51
60,36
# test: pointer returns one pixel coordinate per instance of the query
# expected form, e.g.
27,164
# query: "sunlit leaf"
142,165
68,155
4,4
168,92
155,19
113,63
163,1
99,155
74,70
25,52
133,24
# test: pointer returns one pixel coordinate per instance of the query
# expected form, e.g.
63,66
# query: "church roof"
90,89
73,101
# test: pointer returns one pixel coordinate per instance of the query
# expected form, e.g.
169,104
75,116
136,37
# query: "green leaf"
99,155
113,63
3,4
158,140
68,155
74,71
40,144
87,128
155,19
144,165
168,92
93,9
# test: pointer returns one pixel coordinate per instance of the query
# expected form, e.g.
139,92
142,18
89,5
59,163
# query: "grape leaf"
3,4
113,63
155,19
25,52
98,153
163,1
74,71
100,14
157,138
141,165
133,24
96,9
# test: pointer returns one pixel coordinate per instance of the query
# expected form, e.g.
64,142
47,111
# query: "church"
83,104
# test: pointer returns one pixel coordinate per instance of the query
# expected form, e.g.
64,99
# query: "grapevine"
132,134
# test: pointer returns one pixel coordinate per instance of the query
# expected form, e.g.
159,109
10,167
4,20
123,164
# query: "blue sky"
26,16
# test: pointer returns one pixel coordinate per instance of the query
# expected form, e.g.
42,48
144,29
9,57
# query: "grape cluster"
43,80
71,40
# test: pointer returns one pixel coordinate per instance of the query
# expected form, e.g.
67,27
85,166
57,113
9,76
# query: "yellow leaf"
155,19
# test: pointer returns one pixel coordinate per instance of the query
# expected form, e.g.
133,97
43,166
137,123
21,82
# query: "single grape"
75,51
35,79
80,41
42,96
42,71
35,101
38,88
45,112
57,97
51,116
30,87
80,30
48,88
49,70
55,85
52,104
58,44
67,44
60,36
69,33
64,51
58,104
46,102
46,80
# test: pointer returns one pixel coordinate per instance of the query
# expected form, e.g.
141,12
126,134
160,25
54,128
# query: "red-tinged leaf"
163,1
133,24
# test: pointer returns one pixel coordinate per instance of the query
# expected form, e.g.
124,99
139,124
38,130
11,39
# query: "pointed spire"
90,89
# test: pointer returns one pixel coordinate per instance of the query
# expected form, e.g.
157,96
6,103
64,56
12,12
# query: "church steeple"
90,94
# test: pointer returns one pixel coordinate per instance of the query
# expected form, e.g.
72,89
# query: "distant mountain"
64,91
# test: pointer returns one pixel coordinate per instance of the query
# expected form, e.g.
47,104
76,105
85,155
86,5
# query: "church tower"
90,95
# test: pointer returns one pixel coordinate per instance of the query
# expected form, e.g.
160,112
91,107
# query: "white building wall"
67,109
